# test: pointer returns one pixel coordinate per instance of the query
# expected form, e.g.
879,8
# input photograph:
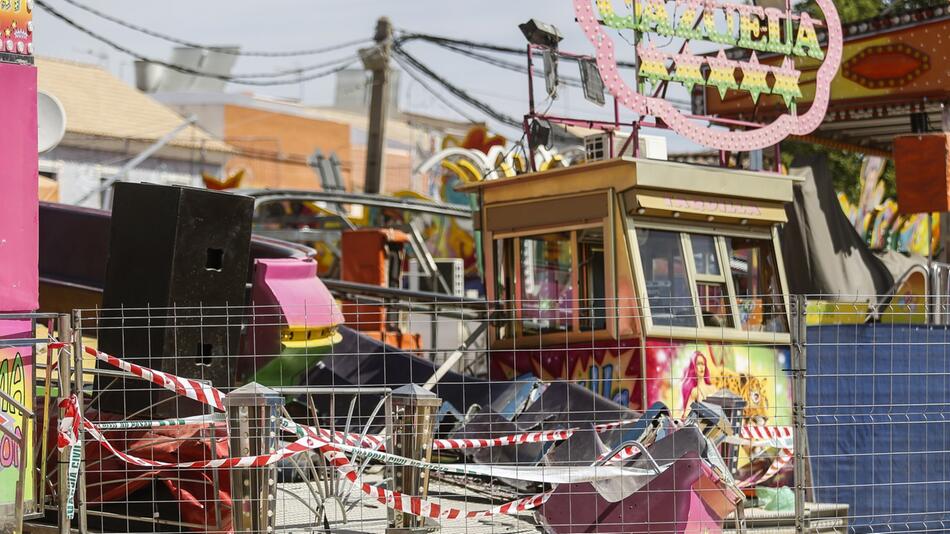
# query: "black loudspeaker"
175,285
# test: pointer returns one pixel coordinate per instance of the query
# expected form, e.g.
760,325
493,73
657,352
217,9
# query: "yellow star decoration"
722,74
786,83
688,71
754,79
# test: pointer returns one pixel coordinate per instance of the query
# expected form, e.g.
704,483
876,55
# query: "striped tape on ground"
392,499
539,474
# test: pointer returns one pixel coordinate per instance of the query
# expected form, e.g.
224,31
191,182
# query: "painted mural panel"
677,373
609,368
16,379
680,373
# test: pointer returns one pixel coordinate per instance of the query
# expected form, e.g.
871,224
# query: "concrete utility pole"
376,59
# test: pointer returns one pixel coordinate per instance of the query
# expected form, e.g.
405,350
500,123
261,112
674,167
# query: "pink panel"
19,218
286,292
293,285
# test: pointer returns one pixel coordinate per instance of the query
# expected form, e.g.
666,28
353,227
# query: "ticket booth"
643,280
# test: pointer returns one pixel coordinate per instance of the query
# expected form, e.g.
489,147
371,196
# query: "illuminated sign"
658,24
16,25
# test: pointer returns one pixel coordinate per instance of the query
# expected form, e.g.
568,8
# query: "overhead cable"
460,93
220,50
406,36
448,103
237,79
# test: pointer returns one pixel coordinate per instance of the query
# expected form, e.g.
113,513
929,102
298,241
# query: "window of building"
754,272
711,289
591,279
667,282
732,282
560,279
546,283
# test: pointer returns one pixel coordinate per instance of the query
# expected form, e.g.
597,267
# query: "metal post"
377,60
253,411
413,425
62,382
798,333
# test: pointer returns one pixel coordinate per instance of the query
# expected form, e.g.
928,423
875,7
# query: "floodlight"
592,82
550,73
541,33
539,134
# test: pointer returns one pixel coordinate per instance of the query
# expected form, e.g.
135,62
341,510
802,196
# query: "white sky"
297,24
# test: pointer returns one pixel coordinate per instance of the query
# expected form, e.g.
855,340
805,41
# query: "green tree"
845,168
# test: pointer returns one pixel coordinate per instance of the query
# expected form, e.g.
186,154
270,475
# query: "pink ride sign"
674,25
19,217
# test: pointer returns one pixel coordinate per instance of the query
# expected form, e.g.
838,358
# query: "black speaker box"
175,285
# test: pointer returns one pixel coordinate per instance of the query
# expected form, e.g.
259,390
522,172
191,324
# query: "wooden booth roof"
622,174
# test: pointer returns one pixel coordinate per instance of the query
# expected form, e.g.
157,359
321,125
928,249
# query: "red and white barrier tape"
66,437
542,474
207,394
765,433
424,507
515,439
771,436
193,389
393,499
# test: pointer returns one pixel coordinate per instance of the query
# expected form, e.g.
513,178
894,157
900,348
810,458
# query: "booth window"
711,288
504,285
591,278
731,282
561,281
546,289
667,282
755,278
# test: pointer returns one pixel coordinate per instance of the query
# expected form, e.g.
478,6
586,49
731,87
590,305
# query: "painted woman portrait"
697,384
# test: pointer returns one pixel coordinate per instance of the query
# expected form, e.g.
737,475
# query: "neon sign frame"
786,76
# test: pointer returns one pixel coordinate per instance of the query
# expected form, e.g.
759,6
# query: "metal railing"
831,427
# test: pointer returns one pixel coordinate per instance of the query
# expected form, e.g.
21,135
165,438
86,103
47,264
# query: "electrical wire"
463,95
406,36
227,51
185,70
448,103
566,80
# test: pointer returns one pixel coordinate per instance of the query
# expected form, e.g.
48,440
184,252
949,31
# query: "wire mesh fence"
769,414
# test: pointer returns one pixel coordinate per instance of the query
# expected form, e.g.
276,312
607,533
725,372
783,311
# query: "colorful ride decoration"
879,221
476,157
664,31
892,66
232,181
16,25
294,323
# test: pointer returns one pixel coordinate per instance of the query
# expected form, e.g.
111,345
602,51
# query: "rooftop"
98,104
401,128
